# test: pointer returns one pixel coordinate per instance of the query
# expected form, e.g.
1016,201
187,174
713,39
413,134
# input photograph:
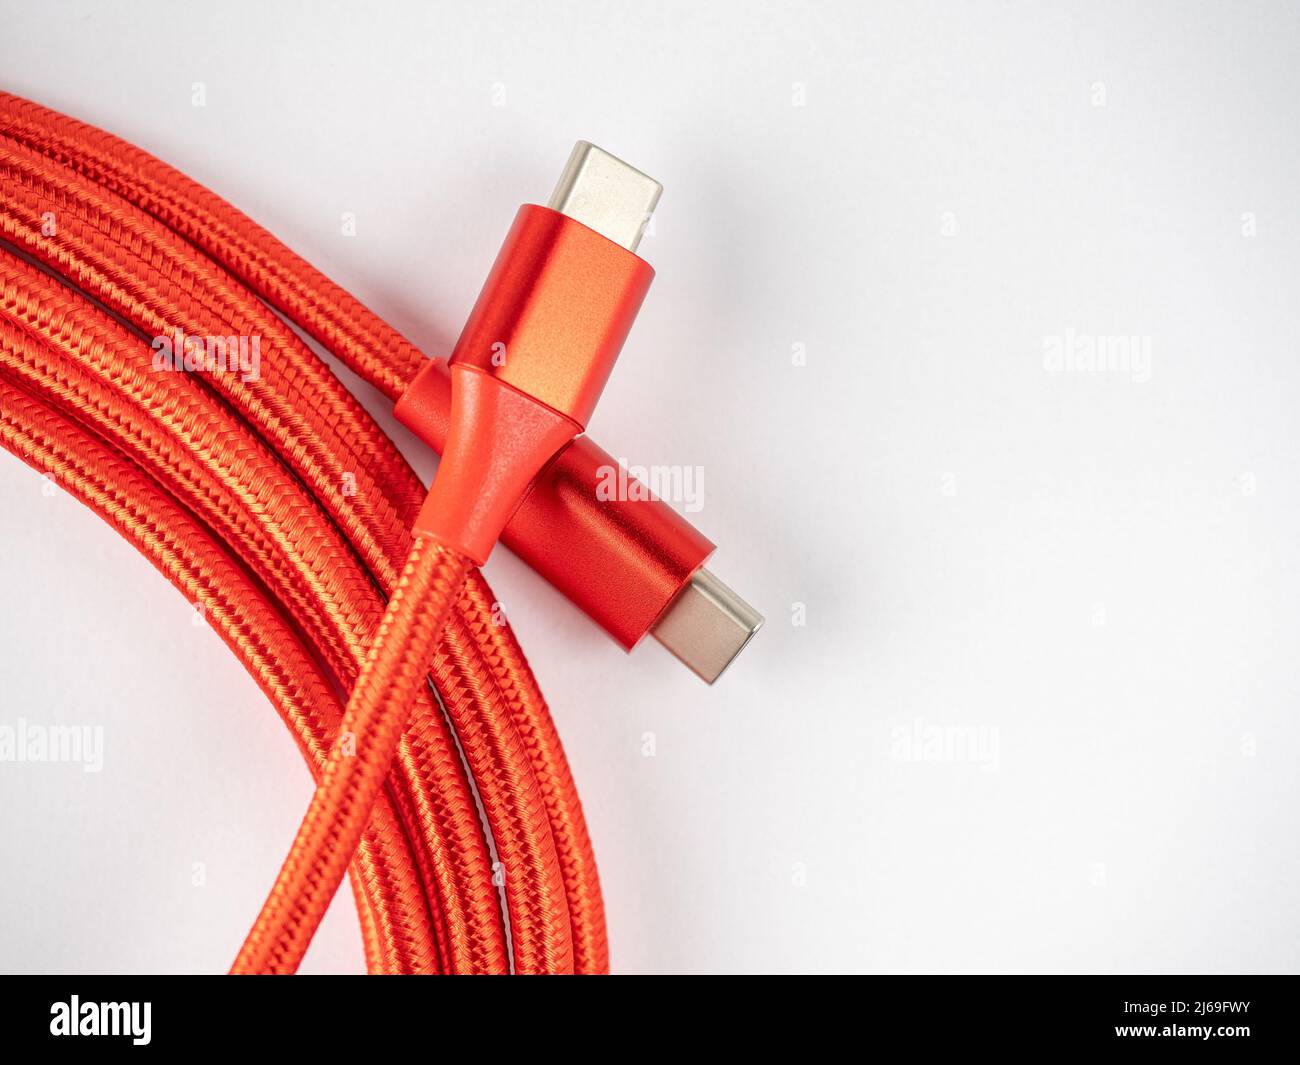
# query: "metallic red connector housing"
621,561
548,325
528,369
550,322
555,311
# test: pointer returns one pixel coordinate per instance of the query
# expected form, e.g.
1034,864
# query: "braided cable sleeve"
365,343
157,282
267,481
535,895
396,928
185,425
351,332
537,732
358,761
453,806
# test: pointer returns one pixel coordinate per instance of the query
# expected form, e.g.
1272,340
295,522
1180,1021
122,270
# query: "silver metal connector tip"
707,626
605,194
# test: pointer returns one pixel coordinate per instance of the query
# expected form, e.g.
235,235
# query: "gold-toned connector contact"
707,626
605,194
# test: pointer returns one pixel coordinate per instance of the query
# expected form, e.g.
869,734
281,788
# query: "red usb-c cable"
280,507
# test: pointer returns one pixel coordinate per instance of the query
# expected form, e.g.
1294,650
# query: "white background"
1094,571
